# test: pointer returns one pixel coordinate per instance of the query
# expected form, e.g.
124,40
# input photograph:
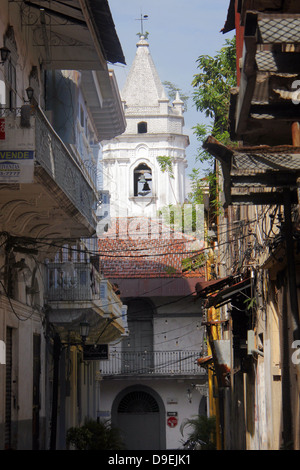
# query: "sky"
179,32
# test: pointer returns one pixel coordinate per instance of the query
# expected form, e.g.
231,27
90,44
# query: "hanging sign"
16,166
96,352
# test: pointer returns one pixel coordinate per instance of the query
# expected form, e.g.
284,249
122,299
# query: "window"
142,180
142,128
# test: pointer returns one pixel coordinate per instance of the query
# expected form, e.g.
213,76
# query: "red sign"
2,128
172,421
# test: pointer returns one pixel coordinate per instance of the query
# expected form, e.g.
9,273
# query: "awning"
204,288
77,35
205,361
156,287
218,292
230,19
226,295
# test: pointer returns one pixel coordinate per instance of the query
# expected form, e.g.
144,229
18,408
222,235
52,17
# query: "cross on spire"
142,19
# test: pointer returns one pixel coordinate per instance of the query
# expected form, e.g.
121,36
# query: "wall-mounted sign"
16,166
96,352
172,421
2,129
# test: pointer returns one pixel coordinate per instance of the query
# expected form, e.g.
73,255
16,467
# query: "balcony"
158,363
47,194
76,292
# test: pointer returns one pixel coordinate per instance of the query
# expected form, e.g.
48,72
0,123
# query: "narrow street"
149,228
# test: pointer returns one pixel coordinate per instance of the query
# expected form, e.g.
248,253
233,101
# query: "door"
139,421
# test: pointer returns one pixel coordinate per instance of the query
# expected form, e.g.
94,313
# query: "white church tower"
131,171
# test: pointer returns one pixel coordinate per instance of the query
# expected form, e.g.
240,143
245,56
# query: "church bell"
146,187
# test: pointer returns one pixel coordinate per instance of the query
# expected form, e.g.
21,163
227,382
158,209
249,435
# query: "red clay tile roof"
136,248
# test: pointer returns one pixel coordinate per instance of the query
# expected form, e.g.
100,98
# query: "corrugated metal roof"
101,15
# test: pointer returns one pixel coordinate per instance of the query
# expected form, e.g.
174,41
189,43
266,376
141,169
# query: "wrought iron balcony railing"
73,281
171,363
29,128
81,282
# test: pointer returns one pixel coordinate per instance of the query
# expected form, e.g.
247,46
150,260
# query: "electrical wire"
12,307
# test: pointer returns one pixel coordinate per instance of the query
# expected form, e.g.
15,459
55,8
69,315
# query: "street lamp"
84,329
29,92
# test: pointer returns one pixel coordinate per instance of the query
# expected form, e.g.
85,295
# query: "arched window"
142,127
138,402
142,180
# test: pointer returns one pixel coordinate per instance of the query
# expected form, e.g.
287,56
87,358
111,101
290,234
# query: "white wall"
174,396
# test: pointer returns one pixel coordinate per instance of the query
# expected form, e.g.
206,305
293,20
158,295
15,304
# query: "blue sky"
179,32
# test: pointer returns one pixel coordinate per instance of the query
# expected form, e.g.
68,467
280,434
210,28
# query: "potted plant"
95,435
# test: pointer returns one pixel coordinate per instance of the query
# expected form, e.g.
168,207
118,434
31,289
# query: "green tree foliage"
217,75
212,88
166,165
172,91
203,428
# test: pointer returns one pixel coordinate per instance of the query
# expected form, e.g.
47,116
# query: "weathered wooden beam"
296,134
270,179
280,111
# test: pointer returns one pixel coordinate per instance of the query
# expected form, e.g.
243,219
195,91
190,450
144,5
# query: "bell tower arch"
154,128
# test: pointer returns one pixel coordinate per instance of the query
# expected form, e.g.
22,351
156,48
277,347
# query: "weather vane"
142,19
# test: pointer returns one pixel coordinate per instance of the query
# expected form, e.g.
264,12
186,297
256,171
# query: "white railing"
151,363
73,281
80,281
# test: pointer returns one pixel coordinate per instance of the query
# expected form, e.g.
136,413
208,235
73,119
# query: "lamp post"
84,329
29,93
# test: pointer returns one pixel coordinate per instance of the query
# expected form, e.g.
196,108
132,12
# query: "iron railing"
28,126
81,282
73,281
56,159
171,363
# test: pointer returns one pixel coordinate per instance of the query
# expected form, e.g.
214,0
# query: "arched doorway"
138,412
